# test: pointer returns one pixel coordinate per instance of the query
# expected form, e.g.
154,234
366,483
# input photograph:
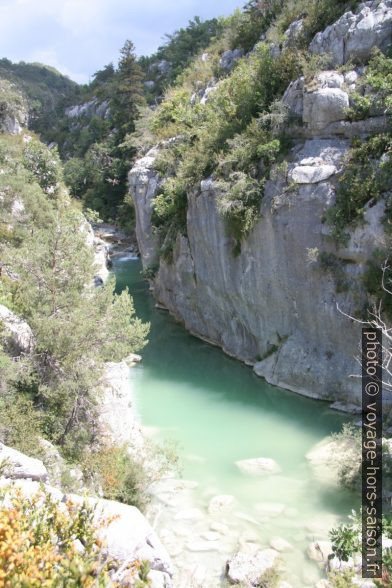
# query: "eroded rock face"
19,337
354,35
229,58
270,297
88,109
143,181
325,106
117,410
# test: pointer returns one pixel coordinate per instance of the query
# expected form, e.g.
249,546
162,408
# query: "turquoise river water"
220,412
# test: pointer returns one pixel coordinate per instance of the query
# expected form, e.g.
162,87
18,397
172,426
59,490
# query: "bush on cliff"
368,168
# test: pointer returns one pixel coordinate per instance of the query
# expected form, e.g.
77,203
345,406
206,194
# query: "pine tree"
127,90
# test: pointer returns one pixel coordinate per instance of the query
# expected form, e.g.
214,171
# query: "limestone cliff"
273,306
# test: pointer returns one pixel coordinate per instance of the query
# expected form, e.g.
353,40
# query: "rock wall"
274,306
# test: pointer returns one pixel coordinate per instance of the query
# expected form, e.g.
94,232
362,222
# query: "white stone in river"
219,527
258,466
203,546
220,504
280,544
247,568
189,514
211,536
270,509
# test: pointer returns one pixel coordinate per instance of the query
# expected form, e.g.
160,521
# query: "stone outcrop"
354,35
117,407
143,182
229,58
14,110
256,305
19,466
274,306
101,253
18,336
88,109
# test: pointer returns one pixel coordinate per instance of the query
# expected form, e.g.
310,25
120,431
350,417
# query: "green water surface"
220,412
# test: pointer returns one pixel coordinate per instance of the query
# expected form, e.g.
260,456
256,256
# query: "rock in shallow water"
248,568
258,466
220,504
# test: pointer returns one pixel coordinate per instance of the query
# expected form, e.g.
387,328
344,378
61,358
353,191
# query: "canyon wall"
275,305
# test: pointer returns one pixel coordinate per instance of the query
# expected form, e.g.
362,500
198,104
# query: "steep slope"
241,252
45,90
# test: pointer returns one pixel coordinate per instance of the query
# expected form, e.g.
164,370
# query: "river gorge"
219,412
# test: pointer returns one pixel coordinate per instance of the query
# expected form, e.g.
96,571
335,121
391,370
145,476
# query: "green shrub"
20,423
368,167
45,165
239,204
365,178
221,131
373,281
125,478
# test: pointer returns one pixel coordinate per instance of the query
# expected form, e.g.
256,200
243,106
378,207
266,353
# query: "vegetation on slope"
47,267
177,51
238,133
45,88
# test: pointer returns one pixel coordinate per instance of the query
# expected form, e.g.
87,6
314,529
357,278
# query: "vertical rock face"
143,182
274,305
117,410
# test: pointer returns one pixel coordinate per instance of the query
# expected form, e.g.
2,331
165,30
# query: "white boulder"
117,410
324,106
20,466
247,568
258,466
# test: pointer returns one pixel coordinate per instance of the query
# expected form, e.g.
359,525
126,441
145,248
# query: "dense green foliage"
46,90
239,133
368,167
234,135
76,327
347,542
94,146
178,50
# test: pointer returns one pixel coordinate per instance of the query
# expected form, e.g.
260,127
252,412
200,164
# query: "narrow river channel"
219,412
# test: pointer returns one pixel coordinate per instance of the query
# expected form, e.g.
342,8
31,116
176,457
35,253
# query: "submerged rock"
258,466
220,504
